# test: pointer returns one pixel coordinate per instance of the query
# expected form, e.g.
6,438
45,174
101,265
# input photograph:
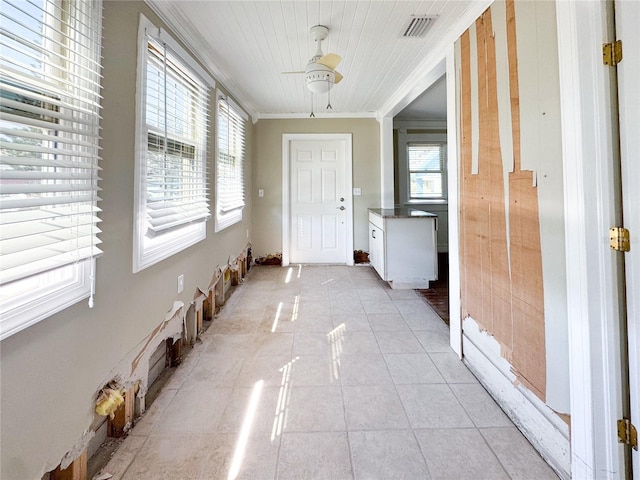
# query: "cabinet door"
376,249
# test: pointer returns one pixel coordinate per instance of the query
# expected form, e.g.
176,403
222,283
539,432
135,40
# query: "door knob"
340,207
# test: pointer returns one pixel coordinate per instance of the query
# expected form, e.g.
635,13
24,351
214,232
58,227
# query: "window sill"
39,303
228,219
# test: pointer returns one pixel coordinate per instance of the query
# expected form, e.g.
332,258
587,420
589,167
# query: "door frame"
627,20
590,203
286,177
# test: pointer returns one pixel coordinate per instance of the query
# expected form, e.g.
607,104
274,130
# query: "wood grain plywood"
500,282
512,52
483,219
465,172
501,257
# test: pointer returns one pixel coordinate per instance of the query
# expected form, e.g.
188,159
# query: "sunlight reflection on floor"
241,446
336,339
284,396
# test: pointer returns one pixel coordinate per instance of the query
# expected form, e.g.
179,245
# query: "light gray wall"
52,371
267,210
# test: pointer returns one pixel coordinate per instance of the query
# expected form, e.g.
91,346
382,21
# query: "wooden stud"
199,320
76,471
244,267
123,419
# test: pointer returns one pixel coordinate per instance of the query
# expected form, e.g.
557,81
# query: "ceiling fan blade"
290,73
330,60
338,77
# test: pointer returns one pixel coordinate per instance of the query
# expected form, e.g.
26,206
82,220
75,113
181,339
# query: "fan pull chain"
312,114
329,107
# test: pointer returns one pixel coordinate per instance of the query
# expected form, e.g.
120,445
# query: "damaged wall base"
122,398
544,429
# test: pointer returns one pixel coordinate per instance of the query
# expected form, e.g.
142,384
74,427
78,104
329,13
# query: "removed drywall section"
512,219
157,363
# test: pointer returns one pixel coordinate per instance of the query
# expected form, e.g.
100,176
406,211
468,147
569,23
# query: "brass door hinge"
620,239
627,433
612,53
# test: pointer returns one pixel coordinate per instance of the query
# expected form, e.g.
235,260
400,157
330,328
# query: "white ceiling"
247,44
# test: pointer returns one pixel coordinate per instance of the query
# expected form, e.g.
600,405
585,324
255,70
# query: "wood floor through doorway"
437,295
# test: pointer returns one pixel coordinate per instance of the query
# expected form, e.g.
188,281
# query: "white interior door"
627,21
319,200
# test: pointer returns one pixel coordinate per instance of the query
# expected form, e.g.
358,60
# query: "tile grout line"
404,408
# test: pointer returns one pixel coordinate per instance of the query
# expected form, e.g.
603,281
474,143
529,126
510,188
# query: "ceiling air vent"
418,25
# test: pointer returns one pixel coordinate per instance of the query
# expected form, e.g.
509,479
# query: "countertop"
401,212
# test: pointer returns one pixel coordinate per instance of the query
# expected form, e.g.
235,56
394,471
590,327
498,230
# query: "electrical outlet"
180,283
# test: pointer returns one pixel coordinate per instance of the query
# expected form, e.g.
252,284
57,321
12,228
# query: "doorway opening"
420,180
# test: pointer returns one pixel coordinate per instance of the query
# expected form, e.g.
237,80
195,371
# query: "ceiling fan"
320,74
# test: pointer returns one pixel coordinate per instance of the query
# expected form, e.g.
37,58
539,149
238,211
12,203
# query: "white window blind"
172,187
229,163
49,132
176,117
426,171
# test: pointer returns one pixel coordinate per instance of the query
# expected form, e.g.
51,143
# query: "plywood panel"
529,357
501,264
464,149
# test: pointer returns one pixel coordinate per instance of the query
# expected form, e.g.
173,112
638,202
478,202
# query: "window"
171,188
229,163
427,175
49,132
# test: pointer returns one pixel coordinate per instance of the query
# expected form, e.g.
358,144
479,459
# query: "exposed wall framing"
77,470
182,324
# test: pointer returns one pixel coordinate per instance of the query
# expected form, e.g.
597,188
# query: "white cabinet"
376,248
403,247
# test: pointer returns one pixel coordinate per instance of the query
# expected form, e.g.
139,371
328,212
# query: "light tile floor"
324,372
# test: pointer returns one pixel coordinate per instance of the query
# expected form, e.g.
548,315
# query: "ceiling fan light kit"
320,75
318,78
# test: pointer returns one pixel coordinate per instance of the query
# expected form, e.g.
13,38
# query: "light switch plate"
261,192
357,191
180,283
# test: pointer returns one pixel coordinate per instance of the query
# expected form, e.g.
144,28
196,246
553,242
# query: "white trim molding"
590,206
386,163
286,116
453,213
